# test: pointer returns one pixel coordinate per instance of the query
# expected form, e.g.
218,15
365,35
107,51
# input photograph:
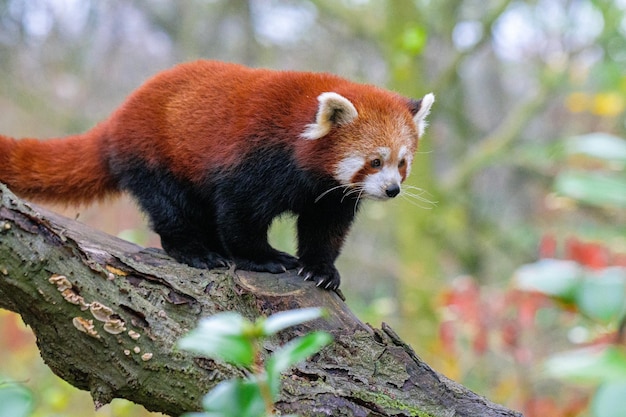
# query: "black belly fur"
227,216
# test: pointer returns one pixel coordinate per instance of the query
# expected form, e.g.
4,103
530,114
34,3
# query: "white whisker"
357,187
358,198
319,197
415,196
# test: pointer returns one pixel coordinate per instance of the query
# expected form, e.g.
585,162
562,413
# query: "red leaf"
541,407
447,337
592,255
547,246
481,340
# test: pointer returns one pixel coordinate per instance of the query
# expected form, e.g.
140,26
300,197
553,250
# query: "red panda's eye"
376,163
402,163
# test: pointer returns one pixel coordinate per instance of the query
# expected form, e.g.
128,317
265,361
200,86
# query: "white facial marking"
409,162
376,185
348,167
384,152
404,153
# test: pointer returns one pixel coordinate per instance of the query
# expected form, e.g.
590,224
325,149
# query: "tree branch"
62,277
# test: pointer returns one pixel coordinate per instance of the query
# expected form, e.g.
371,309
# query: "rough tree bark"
63,277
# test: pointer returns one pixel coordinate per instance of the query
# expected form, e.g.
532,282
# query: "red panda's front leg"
321,233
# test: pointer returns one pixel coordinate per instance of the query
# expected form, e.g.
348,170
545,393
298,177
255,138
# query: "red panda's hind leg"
192,252
248,247
245,202
178,213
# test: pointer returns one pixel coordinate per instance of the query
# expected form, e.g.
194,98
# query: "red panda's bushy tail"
69,170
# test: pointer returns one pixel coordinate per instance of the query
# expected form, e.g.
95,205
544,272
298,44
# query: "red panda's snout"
379,176
392,190
383,183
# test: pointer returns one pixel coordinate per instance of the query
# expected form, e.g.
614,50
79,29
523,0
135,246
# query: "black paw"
325,276
207,260
276,263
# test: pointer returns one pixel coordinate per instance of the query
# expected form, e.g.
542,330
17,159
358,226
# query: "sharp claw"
300,271
328,286
320,282
339,293
308,276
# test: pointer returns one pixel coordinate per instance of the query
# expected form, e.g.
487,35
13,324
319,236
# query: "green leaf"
553,277
15,400
293,352
222,336
280,321
602,295
598,145
227,323
600,189
234,398
589,365
609,400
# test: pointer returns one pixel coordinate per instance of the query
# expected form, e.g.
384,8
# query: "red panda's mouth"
377,197
382,185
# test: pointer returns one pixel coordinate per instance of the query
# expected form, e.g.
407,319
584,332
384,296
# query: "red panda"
213,152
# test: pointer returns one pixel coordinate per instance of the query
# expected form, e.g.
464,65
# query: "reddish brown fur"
195,116
67,170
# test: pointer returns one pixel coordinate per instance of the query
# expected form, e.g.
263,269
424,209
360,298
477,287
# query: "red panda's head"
371,148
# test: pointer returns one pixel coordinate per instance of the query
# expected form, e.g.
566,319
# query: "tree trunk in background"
54,271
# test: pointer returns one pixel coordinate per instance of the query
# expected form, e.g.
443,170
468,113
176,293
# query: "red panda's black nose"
393,190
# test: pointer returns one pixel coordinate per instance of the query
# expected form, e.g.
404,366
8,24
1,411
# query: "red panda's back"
205,114
210,114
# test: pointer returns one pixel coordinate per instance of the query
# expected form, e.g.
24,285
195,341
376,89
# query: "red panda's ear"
420,109
333,110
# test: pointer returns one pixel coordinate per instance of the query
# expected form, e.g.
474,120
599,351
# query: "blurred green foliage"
509,156
593,282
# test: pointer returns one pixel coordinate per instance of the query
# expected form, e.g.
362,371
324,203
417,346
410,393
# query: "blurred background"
523,160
